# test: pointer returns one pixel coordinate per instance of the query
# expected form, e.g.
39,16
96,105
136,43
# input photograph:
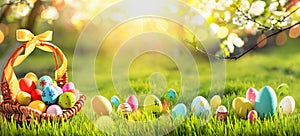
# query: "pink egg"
54,109
133,102
69,87
251,95
252,116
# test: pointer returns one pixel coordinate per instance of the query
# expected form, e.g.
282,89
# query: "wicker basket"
10,109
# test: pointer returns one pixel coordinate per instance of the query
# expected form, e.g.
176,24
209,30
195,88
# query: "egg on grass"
241,106
101,105
287,105
222,113
152,105
200,107
266,102
215,101
251,95
179,111
133,102
115,101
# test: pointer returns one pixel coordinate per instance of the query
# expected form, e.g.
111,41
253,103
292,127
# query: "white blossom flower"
229,46
257,8
282,2
244,5
273,6
227,16
238,42
231,37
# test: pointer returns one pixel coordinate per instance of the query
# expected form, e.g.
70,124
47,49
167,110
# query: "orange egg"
38,105
32,76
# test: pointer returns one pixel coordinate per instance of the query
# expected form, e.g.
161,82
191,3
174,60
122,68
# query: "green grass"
271,66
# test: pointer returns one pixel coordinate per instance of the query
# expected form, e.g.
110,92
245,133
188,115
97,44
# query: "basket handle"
27,47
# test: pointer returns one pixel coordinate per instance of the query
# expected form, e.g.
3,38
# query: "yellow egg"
152,105
215,101
32,76
38,105
241,106
101,105
24,98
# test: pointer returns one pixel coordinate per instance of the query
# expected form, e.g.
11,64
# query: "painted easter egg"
124,108
222,113
58,90
38,105
287,105
283,89
32,76
165,105
252,116
251,95
36,94
172,93
101,105
54,109
69,87
43,82
179,111
133,102
200,107
265,102
67,100
152,105
241,106
26,85
23,98
49,95
215,101
115,101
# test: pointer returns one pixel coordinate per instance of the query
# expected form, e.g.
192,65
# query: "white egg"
287,105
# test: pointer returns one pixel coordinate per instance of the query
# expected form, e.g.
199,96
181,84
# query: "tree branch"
267,37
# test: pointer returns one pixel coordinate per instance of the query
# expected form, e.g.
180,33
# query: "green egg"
67,100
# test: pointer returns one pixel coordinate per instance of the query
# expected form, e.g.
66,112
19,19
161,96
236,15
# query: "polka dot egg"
67,100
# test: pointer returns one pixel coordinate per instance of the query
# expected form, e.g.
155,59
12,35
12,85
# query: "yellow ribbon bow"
24,35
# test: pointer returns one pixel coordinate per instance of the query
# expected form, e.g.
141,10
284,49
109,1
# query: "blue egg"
43,82
179,111
50,95
172,93
265,102
115,100
200,107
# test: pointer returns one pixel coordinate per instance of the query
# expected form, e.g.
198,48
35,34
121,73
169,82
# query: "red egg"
36,94
69,87
26,85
